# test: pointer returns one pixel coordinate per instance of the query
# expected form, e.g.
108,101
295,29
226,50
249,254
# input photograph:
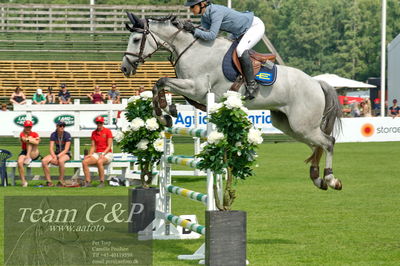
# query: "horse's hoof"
168,120
338,185
323,185
162,101
172,110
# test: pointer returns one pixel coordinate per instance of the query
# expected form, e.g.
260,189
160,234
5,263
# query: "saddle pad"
228,67
266,76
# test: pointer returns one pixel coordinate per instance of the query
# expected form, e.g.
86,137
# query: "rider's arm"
216,17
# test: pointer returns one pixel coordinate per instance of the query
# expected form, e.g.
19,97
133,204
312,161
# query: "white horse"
301,107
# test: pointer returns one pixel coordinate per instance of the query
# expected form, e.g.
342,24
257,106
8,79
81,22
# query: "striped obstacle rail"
195,227
182,160
193,195
190,132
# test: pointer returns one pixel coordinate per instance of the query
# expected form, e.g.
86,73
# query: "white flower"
215,108
152,124
133,99
238,144
232,93
215,137
254,136
244,109
136,124
233,102
146,95
162,134
142,145
159,145
203,145
119,136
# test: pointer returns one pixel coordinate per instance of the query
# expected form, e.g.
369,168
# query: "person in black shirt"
62,140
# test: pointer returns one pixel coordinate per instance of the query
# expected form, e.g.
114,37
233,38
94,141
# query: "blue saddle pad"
265,76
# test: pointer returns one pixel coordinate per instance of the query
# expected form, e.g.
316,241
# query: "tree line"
316,36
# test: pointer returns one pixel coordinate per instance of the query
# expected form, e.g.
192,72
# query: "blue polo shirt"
60,141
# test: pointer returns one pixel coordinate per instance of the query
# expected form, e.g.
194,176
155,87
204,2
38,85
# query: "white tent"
339,82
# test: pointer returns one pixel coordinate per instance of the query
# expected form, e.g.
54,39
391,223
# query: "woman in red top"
30,149
97,96
100,152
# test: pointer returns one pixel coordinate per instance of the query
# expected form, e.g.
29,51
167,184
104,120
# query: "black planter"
225,238
146,197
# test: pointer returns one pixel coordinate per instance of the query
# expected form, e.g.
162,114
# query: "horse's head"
144,41
142,44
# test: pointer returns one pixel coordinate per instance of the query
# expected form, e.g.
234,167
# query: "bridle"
145,32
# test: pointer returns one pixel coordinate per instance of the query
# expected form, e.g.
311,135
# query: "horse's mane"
164,18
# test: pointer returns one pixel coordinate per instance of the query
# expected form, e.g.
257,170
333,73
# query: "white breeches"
252,36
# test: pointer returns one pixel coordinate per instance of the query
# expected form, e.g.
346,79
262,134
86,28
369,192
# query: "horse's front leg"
160,102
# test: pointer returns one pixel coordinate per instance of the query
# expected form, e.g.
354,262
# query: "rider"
242,25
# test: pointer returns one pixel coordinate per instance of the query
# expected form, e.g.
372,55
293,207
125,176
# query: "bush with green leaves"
143,137
231,148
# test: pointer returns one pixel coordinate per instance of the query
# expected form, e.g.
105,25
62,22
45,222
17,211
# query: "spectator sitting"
4,107
394,109
100,152
18,97
377,107
366,108
30,149
38,97
64,97
50,96
97,96
141,89
346,107
355,110
62,140
113,94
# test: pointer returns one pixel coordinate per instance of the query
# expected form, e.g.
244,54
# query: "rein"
146,31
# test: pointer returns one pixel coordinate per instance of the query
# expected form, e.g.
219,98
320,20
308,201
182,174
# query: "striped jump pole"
190,132
193,195
200,229
182,160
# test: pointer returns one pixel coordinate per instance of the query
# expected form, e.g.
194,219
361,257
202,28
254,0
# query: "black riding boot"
248,73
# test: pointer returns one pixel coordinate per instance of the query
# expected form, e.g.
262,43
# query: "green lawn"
290,221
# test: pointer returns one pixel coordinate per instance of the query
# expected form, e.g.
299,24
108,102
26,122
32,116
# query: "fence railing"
43,18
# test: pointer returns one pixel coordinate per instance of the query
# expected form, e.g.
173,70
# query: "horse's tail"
332,112
331,122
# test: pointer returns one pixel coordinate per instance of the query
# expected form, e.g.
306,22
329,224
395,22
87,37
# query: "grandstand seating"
79,76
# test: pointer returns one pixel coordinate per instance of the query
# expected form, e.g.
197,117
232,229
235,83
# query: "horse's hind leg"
328,173
280,121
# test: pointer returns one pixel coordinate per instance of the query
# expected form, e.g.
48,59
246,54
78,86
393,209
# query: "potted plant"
229,150
142,137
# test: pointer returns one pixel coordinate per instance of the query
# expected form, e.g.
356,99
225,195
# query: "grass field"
290,222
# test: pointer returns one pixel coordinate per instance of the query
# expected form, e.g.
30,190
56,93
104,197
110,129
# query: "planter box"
147,197
225,238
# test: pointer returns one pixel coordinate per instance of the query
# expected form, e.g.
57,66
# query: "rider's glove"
188,26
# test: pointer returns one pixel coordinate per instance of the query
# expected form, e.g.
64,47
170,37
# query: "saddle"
258,59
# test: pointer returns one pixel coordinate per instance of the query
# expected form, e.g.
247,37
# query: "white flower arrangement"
233,102
146,95
159,145
254,136
230,149
215,137
119,136
133,99
142,145
136,124
152,124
